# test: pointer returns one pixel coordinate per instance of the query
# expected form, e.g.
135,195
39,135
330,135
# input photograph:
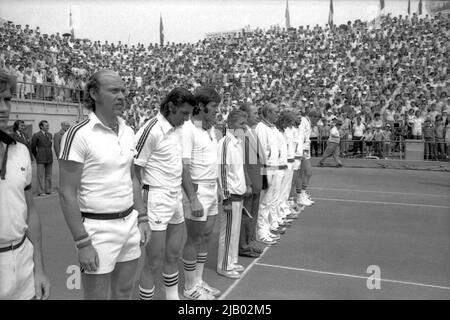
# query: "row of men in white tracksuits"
285,149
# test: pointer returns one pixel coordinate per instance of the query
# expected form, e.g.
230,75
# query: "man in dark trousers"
254,164
41,147
65,125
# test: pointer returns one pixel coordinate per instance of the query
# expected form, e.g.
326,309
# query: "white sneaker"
212,291
198,293
303,201
274,236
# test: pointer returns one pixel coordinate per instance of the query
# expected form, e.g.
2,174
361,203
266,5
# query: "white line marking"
225,294
385,203
353,276
388,192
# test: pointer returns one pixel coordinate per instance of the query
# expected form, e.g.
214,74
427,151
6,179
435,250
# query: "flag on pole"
330,15
381,6
420,7
409,7
161,30
286,15
72,32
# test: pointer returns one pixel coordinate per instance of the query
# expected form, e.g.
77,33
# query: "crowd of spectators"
385,83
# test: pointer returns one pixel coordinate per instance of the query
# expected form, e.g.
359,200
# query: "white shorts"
115,240
163,207
207,195
16,273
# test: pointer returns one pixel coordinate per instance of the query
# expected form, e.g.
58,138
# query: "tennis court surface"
396,222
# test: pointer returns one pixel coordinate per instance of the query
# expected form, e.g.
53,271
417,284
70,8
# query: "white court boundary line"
235,283
387,192
353,276
385,203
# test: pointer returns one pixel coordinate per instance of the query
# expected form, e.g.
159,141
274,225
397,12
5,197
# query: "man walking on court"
158,164
333,145
200,191
41,147
100,196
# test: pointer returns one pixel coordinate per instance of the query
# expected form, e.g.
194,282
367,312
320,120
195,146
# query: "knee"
173,255
193,240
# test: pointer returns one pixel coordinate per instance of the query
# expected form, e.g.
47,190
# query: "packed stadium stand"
393,76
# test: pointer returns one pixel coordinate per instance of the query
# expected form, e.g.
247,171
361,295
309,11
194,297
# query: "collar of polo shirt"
165,125
96,121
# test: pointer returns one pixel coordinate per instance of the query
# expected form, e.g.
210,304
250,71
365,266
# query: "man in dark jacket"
41,147
254,165
20,135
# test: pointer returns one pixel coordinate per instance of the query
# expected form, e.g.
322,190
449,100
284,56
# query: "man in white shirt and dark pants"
333,145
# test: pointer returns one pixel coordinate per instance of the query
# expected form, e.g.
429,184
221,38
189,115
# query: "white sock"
190,274
171,285
201,260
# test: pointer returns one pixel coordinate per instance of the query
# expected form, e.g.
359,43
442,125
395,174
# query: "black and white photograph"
248,151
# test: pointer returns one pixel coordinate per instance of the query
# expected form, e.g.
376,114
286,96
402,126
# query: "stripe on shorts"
144,136
70,136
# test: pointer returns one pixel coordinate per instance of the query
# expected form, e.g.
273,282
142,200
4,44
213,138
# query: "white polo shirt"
200,149
230,153
267,134
106,185
13,206
334,132
158,151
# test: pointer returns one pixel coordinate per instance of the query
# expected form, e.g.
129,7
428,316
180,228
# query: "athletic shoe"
198,293
233,274
267,241
303,201
279,231
212,291
238,267
274,236
293,216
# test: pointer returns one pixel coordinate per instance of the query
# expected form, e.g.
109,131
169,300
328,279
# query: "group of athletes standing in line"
122,193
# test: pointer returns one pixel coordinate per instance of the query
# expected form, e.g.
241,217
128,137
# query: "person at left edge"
22,274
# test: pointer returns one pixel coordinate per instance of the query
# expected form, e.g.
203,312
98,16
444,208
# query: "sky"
135,21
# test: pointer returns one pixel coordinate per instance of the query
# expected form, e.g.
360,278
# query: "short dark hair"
177,96
41,123
16,124
205,95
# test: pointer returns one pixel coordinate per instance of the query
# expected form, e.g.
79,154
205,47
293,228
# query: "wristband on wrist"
81,238
84,244
142,219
